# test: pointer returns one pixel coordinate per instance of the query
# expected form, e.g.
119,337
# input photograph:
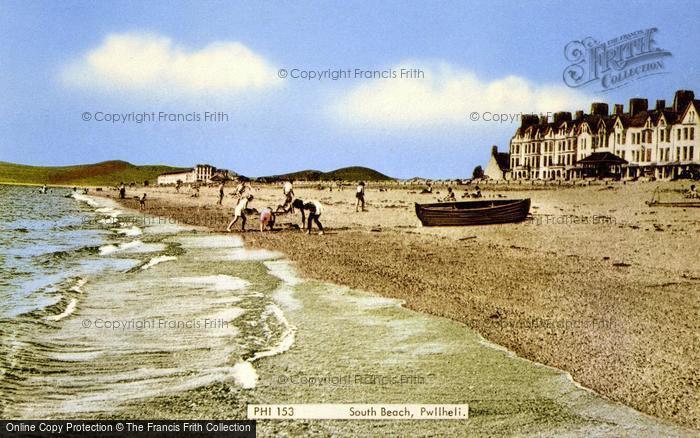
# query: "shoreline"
528,316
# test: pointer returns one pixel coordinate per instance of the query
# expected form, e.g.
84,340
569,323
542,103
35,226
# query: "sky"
66,67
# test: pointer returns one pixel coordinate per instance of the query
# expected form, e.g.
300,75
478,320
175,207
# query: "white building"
498,165
201,173
660,142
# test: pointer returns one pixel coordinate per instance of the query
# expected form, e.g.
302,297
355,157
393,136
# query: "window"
691,131
685,133
690,152
678,134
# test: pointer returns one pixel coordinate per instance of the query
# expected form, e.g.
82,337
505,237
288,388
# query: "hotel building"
662,142
201,173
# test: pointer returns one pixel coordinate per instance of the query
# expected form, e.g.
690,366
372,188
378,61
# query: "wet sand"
598,284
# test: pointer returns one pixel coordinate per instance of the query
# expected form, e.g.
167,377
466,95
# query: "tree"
478,173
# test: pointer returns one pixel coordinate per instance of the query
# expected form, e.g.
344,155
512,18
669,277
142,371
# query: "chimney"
618,109
494,150
562,116
579,115
638,105
528,120
682,99
599,108
660,105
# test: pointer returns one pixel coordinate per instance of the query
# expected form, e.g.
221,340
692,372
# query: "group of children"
268,217
310,210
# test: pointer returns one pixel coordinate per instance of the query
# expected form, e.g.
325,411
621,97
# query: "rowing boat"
691,204
483,212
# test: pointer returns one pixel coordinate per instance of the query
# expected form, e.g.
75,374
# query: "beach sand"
597,284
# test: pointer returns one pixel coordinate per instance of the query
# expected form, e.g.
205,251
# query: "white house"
200,173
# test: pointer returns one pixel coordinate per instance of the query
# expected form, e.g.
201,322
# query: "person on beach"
288,191
692,192
240,189
142,202
450,195
267,219
122,191
221,194
195,191
239,212
315,209
299,205
178,184
360,197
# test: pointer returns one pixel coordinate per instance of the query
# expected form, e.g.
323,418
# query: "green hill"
104,173
355,173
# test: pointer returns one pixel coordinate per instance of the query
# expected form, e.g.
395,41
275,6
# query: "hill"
104,173
354,173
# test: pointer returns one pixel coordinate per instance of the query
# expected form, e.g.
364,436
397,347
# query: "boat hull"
690,204
483,212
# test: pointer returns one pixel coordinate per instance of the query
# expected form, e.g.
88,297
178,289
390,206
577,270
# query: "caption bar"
359,412
120,428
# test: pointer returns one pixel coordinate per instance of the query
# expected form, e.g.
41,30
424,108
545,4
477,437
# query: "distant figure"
267,219
195,191
288,191
450,195
360,196
142,202
477,193
122,191
178,184
42,190
75,189
85,191
221,194
239,212
693,192
427,190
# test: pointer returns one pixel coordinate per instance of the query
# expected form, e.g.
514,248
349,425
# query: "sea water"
100,307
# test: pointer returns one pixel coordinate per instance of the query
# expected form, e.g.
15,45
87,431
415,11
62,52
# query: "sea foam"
245,375
156,260
215,282
110,249
70,308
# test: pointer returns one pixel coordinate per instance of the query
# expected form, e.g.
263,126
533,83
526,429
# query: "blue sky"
61,59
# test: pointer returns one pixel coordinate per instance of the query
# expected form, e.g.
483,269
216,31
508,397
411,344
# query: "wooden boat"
691,204
482,212
681,204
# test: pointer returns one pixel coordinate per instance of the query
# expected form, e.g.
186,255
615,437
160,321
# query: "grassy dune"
104,173
355,173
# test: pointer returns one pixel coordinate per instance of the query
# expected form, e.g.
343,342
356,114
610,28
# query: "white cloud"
447,96
148,63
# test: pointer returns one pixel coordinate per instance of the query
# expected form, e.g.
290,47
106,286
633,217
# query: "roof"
173,172
503,160
602,158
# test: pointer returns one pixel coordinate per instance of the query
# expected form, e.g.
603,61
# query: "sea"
100,307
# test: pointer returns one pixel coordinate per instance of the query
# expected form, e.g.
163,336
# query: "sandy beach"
597,284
